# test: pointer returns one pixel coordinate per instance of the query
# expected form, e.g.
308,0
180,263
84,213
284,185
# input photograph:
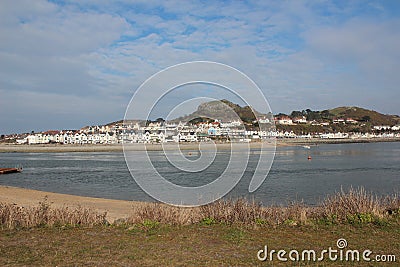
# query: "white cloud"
302,54
366,49
28,110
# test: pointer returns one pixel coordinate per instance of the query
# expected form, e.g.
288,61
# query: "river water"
375,166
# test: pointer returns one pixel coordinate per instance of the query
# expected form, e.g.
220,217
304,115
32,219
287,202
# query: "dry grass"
358,202
232,211
13,216
356,206
163,213
352,206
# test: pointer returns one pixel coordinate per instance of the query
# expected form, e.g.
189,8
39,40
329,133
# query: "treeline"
301,129
324,115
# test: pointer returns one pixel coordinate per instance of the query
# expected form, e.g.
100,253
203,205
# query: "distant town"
307,124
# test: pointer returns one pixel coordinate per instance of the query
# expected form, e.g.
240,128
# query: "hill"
361,115
365,115
223,110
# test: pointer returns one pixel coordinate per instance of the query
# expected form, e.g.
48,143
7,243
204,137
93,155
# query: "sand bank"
116,148
115,209
60,148
183,146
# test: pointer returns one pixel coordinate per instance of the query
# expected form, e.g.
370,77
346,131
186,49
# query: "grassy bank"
190,245
222,233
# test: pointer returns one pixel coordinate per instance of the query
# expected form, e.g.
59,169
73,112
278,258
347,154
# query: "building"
284,120
351,121
300,120
338,121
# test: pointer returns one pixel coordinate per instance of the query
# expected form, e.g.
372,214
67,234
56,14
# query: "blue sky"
67,64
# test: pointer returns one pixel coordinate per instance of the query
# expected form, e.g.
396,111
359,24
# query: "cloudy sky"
67,64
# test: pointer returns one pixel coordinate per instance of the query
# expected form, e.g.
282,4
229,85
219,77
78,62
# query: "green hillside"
223,110
362,114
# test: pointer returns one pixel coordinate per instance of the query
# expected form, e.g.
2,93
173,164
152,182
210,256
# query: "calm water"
376,166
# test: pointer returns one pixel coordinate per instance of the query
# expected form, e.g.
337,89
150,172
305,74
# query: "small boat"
10,170
307,147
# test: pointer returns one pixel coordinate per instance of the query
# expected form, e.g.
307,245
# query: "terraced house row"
160,132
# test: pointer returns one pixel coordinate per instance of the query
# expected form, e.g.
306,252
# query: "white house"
338,135
37,139
231,124
264,120
300,120
284,120
31,139
351,121
22,141
336,121
382,127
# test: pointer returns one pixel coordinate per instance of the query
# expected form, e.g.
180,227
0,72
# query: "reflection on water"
292,177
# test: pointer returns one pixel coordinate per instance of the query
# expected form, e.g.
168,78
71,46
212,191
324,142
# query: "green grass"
190,245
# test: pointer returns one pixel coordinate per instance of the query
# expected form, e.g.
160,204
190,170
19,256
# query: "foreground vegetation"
355,206
150,244
223,233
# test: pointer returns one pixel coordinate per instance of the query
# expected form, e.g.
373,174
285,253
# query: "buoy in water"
309,157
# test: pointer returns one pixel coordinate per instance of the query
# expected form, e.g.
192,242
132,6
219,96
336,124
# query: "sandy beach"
59,148
115,209
54,148
114,148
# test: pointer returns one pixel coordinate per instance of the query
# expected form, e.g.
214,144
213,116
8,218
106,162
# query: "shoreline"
116,209
122,210
58,148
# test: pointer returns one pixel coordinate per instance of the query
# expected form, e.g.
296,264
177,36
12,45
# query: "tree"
2,137
160,120
366,118
281,115
296,113
325,114
313,115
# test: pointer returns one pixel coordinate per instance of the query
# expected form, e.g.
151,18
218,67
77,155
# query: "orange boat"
10,170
